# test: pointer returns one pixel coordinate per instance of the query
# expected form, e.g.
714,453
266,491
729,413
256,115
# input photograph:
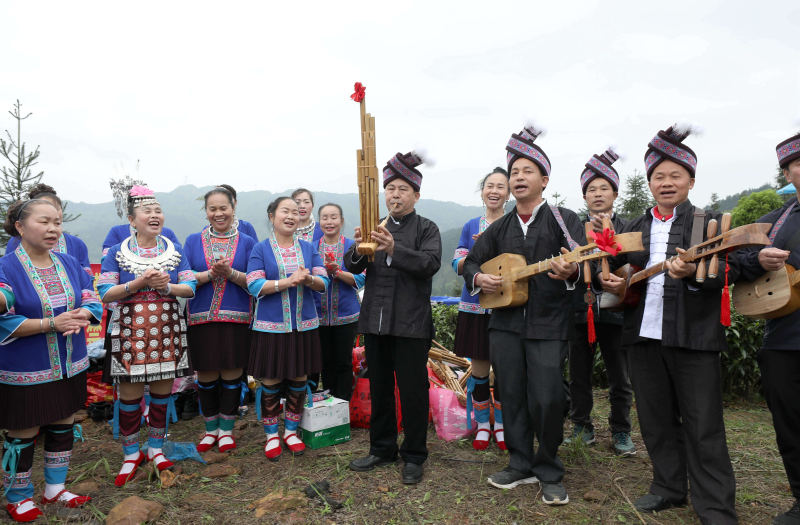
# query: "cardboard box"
328,413
315,439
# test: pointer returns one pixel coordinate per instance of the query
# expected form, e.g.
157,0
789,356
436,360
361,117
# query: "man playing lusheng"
779,358
396,320
600,183
529,342
673,338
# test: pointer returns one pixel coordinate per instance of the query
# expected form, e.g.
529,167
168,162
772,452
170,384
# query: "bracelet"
168,290
277,289
128,288
234,274
52,324
41,325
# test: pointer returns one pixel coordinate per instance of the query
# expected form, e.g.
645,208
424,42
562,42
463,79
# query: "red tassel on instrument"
358,93
590,325
725,307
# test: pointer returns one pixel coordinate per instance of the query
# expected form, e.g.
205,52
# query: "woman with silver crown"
144,274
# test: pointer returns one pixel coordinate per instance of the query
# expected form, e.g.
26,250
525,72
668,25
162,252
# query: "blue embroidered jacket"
222,301
468,303
339,303
42,358
66,244
293,308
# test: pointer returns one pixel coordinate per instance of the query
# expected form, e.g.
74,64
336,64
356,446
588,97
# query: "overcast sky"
256,94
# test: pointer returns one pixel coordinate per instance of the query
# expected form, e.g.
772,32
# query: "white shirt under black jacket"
653,315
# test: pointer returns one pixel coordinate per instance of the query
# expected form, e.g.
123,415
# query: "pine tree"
714,206
637,197
17,177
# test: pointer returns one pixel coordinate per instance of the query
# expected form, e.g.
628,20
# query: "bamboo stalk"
448,357
463,380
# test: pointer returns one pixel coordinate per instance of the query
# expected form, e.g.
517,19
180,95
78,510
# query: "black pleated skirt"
219,346
36,405
472,336
284,356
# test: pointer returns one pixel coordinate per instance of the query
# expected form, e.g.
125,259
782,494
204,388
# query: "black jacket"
397,298
600,316
691,309
548,312
782,333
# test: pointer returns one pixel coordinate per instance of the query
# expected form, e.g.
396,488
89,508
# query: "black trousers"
405,358
336,343
581,360
534,401
780,377
679,402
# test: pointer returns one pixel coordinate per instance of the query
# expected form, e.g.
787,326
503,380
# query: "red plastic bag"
449,417
96,390
361,405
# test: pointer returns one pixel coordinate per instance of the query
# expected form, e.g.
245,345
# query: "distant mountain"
184,214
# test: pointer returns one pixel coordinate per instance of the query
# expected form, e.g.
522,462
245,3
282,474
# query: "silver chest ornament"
137,265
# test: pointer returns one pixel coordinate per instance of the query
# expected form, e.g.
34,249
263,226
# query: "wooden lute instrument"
774,294
748,235
515,271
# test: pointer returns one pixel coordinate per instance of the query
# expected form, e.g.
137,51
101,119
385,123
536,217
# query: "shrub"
444,321
741,376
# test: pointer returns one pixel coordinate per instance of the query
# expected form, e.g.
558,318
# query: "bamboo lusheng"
463,380
367,182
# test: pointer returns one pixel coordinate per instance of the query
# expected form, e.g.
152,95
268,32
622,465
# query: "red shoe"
26,516
481,444
501,443
162,465
122,479
274,453
67,499
226,442
205,447
296,449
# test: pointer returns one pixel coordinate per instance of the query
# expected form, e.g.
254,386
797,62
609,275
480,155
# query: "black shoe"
508,478
554,493
655,503
790,517
412,473
369,462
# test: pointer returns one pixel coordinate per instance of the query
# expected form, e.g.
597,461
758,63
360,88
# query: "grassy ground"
454,489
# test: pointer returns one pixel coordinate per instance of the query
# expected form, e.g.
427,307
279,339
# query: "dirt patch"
454,489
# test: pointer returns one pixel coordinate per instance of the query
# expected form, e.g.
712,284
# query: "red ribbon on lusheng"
605,241
358,94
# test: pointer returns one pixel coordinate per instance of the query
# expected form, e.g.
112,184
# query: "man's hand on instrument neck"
678,269
772,259
357,235
562,270
596,220
614,284
384,239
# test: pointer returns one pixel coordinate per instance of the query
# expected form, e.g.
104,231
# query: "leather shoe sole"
412,473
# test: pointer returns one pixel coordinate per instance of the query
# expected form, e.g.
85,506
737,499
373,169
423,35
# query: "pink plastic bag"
449,417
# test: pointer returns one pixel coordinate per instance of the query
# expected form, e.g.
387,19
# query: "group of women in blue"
274,309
